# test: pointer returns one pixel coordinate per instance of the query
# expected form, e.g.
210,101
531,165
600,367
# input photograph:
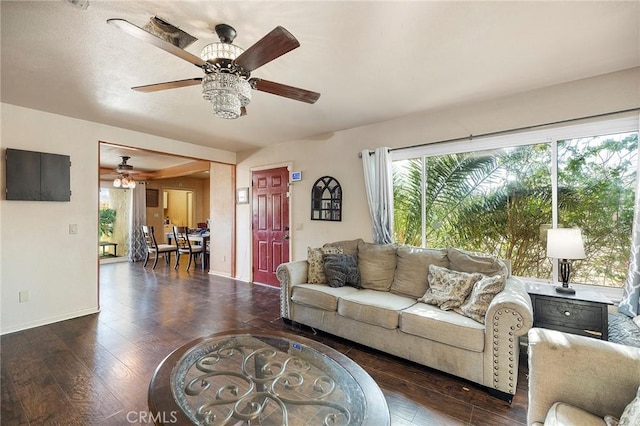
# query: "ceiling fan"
227,81
124,170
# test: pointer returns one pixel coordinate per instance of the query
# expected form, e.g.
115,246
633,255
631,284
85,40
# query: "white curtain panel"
378,184
137,246
630,304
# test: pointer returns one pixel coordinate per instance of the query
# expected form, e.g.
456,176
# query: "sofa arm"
509,315
290,274
595,375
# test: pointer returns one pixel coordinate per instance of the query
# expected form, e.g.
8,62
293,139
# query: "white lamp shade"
565,243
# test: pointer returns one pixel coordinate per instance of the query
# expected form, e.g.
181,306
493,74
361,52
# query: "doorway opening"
179,209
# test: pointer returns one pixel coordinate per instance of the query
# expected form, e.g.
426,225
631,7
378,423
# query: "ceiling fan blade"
290,92
273,45
168,85
143,35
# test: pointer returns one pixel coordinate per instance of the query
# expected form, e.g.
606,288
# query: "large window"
501,200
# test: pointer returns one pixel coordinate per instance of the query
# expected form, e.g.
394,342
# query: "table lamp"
565,244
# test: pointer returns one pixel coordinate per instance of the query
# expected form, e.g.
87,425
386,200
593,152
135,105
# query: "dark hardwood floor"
95,370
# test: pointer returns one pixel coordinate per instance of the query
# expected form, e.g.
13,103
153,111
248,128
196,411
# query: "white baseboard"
50,320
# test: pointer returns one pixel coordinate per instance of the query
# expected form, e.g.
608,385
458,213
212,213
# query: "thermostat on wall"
296,176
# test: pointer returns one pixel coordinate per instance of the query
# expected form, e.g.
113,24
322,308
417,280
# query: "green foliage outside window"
500,202
107,219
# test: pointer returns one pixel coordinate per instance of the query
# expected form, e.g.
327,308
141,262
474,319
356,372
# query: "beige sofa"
577,380
387,315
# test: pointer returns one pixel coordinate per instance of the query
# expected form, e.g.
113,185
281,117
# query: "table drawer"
568,314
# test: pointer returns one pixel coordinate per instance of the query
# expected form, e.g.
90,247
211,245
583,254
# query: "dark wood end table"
584,313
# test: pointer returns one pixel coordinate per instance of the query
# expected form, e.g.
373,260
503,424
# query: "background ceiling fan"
227,82
124,180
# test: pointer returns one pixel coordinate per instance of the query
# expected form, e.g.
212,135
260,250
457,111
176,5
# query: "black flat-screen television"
37,176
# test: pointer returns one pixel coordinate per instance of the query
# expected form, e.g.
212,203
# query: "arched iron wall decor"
326,199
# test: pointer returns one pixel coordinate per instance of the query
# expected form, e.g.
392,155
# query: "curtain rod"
515,130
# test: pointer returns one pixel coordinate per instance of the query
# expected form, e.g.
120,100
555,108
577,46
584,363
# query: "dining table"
199,238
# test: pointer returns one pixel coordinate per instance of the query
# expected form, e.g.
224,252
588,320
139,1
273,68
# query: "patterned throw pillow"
347,246
483,292
631,414
316,275
448,289
341,269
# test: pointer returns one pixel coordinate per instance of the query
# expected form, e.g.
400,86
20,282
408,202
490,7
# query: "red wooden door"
270,223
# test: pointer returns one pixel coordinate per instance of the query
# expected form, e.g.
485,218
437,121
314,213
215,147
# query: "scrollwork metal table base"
264,379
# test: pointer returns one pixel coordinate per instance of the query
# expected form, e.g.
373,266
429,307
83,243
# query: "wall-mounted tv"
37,176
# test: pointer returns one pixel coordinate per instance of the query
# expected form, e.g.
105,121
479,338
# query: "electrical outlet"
73,228
23,296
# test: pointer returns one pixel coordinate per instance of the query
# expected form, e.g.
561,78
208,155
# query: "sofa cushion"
448,289
316,275
377,265
561,414
441,326
483,292
373,307
341,269
470,262
319,295
347,246
410,278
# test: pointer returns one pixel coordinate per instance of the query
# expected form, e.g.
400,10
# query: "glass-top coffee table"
248,377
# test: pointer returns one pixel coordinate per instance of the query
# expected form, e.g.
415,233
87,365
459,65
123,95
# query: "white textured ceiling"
371,61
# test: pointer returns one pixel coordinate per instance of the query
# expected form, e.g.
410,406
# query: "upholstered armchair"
589,378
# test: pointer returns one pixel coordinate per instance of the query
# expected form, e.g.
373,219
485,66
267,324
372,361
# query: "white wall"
337,154
222,218
37,253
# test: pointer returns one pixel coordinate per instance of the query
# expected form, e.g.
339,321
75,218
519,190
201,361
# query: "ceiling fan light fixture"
213,51
226,105
227,92
124,181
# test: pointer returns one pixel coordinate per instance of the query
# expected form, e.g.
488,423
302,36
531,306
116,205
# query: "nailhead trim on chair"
496,369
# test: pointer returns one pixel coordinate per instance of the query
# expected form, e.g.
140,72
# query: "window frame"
550,135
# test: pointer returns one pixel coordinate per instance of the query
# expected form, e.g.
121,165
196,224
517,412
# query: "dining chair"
154,247
207,253
181,236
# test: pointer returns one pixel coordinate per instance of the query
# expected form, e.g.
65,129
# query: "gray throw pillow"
341,270
448,289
